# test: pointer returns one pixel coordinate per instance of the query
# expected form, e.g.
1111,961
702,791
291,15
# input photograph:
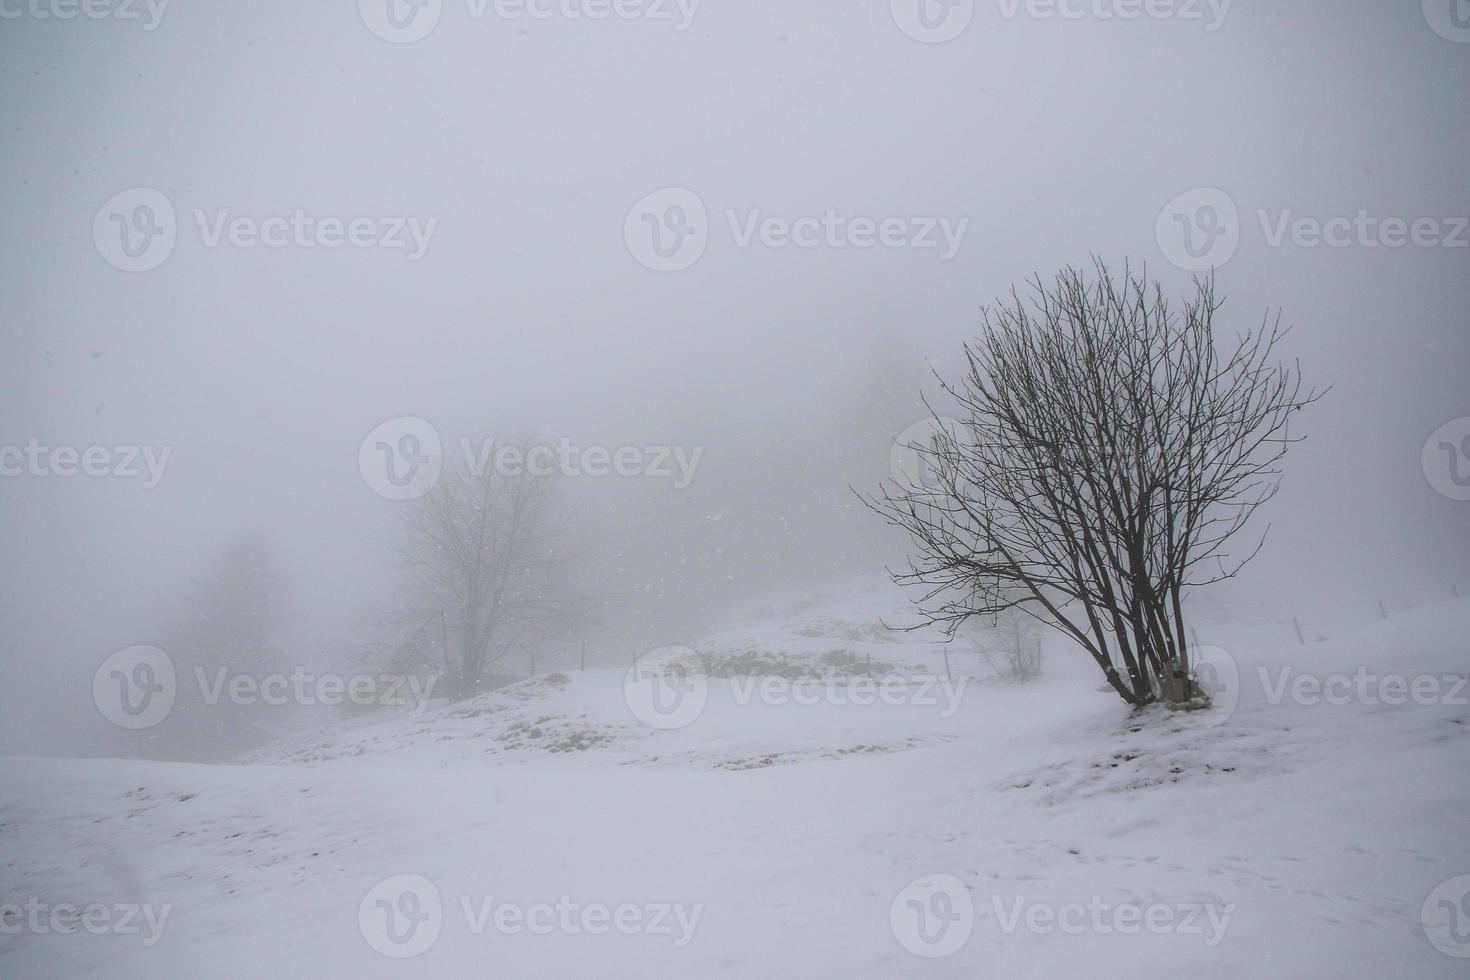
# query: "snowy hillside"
544,830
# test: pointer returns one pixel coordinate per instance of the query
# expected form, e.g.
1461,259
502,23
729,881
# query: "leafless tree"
1104,455
489,558
232,621
1012,646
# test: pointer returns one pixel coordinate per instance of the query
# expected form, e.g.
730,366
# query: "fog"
278,281
516,147
527,141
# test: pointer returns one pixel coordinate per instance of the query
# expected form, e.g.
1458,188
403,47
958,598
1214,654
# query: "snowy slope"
1274,838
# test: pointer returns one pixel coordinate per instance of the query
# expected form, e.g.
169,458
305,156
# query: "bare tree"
1012,646
1104,456
489,558
231,622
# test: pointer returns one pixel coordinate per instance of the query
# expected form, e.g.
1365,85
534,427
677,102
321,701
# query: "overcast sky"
517,149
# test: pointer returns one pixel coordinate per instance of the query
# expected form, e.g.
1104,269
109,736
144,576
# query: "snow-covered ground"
1035,830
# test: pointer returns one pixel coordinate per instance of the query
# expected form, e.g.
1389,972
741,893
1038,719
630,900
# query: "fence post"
1299,638
1381,611
947,675
582,663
